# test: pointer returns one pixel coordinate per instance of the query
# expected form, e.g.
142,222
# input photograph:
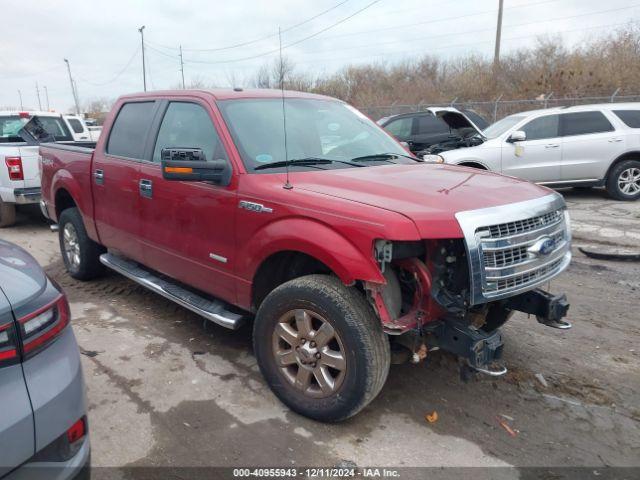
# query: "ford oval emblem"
543,246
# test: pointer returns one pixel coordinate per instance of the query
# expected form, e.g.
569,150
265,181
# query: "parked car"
78,128
338,242
581,146
43,425
420,130
19,174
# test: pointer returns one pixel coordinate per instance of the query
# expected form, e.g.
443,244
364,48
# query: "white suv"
19,169
581,146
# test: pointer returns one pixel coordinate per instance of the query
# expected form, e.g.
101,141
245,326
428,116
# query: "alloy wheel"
629,181
71,245
309,353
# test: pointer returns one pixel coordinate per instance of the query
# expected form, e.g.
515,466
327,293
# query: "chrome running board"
207,307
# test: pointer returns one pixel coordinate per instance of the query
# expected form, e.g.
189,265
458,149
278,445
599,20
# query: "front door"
115,175
538,157
187,228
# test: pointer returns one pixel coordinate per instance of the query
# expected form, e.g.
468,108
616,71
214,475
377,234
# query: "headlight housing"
433,158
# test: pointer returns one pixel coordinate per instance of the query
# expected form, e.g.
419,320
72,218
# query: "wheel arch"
632,155
473,164
313,247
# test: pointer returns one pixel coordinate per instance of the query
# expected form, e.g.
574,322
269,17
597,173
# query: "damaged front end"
455,294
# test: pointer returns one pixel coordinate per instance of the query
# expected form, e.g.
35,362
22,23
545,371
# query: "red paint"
334,216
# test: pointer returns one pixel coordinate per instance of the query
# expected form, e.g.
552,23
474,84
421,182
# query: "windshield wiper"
307,161
385,157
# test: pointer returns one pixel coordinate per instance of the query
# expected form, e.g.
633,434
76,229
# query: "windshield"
317,129
501,126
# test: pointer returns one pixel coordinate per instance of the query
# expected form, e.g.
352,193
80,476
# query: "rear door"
115,176
16,420
537,158
589,144
187,228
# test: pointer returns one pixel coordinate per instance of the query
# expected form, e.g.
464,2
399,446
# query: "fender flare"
313,238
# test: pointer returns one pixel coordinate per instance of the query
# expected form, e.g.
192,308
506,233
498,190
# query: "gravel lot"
166,390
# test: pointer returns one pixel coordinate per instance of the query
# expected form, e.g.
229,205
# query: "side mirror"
190,165
517,136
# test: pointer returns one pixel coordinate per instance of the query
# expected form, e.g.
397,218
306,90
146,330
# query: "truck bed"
70,160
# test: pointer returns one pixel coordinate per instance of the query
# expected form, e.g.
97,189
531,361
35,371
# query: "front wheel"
321,348
80,254
623,182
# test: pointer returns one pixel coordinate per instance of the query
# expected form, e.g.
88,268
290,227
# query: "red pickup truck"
296,212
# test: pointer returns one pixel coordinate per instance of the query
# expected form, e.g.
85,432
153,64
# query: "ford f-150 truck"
298,213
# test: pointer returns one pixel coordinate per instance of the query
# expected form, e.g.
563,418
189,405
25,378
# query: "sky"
225,42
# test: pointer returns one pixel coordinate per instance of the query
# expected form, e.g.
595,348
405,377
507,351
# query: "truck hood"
428,194
21,278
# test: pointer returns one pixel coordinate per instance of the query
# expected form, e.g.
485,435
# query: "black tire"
7,214
616,176
87,264
364,344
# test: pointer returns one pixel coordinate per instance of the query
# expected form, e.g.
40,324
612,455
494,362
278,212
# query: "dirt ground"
165,389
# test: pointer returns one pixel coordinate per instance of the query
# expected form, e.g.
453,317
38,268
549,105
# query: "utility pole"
181,67
496,55
73,88
20,95
144,70
38,94
46,95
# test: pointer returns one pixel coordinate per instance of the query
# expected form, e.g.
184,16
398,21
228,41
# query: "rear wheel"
80,254
7,214
623,182
321,348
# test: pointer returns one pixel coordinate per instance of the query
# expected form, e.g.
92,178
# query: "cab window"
583,123
129,131
188,125
542,127
400,128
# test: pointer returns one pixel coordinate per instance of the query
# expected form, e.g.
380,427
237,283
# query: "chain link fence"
498,108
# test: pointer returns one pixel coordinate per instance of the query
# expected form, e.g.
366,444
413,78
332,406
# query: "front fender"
315,239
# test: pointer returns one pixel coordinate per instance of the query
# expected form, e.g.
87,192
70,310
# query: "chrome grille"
526,225
516,247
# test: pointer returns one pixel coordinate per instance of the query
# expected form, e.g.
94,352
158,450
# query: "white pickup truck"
19,169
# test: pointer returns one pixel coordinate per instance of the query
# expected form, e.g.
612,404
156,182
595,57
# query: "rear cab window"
129,131
584,123
11,125
631,118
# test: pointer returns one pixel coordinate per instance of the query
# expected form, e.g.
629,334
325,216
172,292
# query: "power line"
266,37
294,43
127,65
462,44
457,34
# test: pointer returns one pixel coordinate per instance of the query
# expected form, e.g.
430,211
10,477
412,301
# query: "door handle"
615,140
146,188
98,175
552,145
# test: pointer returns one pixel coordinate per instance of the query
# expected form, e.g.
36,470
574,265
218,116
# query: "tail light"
14,165
41,327
8,344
